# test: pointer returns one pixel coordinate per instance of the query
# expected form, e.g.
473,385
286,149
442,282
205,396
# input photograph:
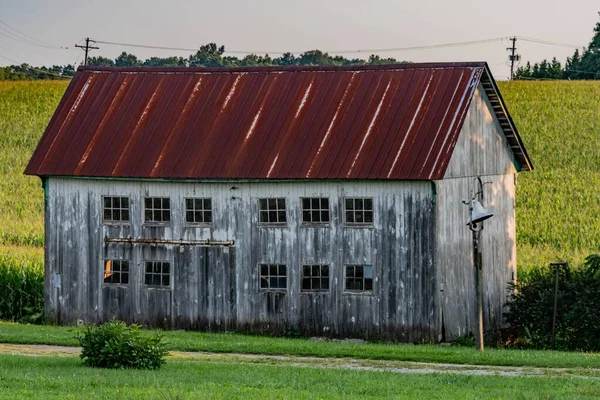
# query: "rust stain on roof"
358,122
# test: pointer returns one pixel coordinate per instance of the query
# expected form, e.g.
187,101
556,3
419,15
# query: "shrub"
21,285
116,345
532,303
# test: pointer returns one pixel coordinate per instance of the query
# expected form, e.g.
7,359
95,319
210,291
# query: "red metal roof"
357,122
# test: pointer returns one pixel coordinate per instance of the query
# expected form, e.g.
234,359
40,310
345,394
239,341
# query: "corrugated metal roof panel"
358,122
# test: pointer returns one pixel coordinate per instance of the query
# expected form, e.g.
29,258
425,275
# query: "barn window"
273,277
157,209
198,211
359,278
158,273
116,271
315,278
272,211
359,211
315,210
116,209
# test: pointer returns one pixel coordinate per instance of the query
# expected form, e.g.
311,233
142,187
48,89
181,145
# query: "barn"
321,200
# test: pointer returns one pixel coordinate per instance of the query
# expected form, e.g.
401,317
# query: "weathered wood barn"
322,199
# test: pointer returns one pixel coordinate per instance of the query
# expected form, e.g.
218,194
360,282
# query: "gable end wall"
482,150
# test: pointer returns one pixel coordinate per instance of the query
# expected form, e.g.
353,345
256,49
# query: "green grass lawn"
237,343
27,377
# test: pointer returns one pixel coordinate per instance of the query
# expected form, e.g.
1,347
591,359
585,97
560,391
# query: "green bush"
578,313
116,345
21,286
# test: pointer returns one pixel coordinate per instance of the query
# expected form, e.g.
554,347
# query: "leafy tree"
165,62
209,55
126,60
579,66
100,62
376,60
286,59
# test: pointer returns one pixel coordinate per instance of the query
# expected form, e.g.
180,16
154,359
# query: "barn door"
156,270
205,294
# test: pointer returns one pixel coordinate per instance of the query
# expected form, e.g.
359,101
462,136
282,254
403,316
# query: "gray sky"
282,25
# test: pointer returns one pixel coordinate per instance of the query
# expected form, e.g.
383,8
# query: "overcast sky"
281,25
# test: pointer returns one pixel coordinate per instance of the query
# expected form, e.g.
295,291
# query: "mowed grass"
25,377
557,203
251,344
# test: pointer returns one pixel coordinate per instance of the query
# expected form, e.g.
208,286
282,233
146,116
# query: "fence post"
556,266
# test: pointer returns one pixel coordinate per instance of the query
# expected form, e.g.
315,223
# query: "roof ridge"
295,68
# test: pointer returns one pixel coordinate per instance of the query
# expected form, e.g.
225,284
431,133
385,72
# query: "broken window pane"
157,209
272,276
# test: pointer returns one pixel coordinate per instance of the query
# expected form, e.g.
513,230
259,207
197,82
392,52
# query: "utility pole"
87,48
513,57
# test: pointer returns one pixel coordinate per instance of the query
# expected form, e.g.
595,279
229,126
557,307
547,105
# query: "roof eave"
505,120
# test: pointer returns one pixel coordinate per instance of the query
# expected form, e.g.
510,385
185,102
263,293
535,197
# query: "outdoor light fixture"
477,214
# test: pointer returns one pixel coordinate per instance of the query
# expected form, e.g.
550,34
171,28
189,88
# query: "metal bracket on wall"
205,243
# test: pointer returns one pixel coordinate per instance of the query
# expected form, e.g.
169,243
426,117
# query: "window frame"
158,287
270,289
113,222
359,224
312,223
277,210
185,211
120,272
157,223
320,277
364,292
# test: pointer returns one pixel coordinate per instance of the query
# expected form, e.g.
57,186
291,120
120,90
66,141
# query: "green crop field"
557,203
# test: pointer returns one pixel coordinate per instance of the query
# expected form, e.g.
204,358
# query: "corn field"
21,284
559,202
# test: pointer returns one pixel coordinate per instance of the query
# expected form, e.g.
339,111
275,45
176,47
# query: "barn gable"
357,122
482,147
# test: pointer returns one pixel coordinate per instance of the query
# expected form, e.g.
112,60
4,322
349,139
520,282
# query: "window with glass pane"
359,211
158,273
198,211
115,209
359,278
315,278
273,277
157,209
272,211
116,271
315,210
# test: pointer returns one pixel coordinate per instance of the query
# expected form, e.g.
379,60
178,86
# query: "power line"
28,37
384,50
15,34
548,42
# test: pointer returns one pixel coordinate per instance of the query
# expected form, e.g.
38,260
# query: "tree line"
584,65
210,55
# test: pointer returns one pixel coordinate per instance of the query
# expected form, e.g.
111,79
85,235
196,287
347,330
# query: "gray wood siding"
454,254
217,288
482,148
